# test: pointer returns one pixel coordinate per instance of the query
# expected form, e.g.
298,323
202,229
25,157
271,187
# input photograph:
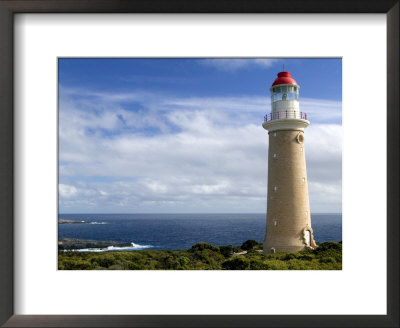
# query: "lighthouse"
288,207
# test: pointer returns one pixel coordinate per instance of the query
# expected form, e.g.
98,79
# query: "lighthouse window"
275,188
286,92
275,223
277,96
300,138
274,155
306,213
301,148
303,179
274,134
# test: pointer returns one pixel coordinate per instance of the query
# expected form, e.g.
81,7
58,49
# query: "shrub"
258,265
304,265
289,256
226,251
249,244
203,246
170,262
80,265
277,265
255,250
307,251
209,257
105,260
327,260
116,267
237,249
238,263
137,266
329,245
329,249
183,260
305,257
203,256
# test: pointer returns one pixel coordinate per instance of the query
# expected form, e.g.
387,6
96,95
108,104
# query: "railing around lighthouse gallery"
284,115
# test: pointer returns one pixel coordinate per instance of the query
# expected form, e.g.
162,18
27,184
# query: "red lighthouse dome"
284,78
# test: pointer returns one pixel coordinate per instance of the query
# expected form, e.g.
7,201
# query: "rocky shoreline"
65,221
72,243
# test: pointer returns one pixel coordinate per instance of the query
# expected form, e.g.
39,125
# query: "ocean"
181,231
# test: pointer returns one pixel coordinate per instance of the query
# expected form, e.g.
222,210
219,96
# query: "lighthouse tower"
288,208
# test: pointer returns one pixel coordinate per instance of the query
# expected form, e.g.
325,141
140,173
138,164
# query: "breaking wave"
133,247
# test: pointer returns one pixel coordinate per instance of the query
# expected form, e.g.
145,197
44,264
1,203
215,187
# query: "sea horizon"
183,230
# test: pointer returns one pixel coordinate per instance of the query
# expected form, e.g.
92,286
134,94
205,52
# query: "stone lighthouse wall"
288,210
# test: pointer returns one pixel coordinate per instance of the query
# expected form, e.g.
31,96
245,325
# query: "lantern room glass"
285,92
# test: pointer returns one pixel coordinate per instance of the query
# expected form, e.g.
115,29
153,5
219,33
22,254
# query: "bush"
209,257
296,264
329,245
258,265
116,267
237,249
183,260
249,244
105,260
289,256
330,250
238,263
226,251
327,260
75,265
203,256
277,265
169,262
305,257
203,246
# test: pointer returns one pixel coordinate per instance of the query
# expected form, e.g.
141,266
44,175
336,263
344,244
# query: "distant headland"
65,221
67,244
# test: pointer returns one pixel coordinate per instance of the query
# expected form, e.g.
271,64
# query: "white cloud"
67,191
234,64
202,154
322,110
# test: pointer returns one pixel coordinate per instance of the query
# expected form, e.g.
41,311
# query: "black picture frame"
10,7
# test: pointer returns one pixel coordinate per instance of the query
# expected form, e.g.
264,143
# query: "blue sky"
184,135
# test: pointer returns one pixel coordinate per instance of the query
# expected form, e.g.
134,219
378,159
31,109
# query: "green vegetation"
249,244
203,256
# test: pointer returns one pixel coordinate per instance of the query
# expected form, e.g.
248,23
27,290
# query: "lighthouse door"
308,237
